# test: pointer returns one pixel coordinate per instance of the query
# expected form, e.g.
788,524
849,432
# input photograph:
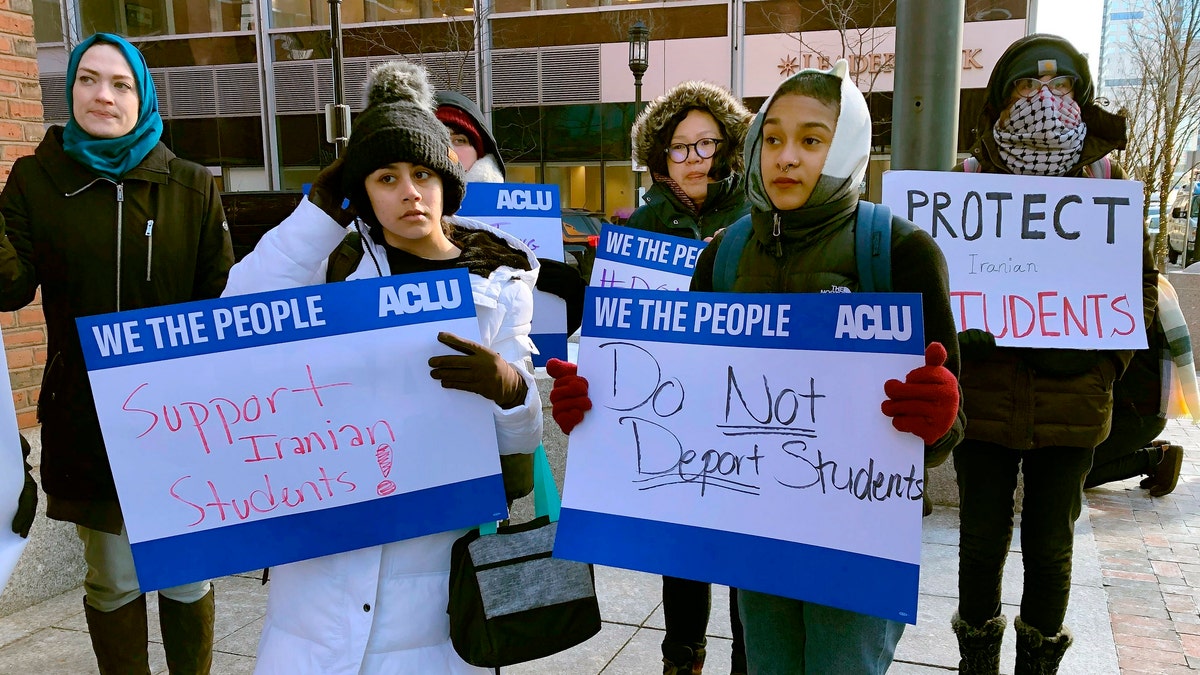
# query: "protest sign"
263,429
637,259
12,479
1035,261
533,214
746,429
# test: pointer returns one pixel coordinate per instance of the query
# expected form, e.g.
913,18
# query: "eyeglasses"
1027,87
705,148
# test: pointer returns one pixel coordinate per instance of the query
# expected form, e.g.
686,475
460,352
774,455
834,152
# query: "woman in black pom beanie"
383,609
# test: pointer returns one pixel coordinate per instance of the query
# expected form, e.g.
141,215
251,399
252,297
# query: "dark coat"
1033,398
663,213
61,226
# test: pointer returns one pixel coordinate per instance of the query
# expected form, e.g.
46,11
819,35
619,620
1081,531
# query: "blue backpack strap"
729,255
873,247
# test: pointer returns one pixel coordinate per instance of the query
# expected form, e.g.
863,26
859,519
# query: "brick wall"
20,131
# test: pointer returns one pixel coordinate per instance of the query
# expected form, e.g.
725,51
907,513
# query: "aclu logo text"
867,322
524,200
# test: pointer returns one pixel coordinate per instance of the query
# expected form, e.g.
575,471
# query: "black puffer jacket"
64,227
1032,398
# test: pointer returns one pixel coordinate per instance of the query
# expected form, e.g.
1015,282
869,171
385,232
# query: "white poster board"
12,478
1035,261
746,430
641,260
533,214
262,429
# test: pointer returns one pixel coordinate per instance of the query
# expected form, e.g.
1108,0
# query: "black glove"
27,502
975,344
479,371
558,278
326,193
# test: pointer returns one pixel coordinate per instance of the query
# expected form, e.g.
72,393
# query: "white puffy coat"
381,609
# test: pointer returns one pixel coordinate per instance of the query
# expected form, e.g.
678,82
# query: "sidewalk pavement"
1134,602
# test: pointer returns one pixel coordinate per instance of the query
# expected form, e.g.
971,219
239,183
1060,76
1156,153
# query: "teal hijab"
114,157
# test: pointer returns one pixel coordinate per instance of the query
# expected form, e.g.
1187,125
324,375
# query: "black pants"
686,605
987,478
1124,453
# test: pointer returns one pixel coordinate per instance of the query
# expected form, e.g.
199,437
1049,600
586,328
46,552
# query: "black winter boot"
119,638
1036,653
979,648
679,659
187,632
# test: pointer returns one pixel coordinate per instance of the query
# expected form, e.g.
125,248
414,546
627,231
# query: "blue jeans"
792,637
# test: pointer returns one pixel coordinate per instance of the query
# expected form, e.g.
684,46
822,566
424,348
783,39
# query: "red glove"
925,404
569,397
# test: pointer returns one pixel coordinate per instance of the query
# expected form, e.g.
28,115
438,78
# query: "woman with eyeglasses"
690,139
1040,412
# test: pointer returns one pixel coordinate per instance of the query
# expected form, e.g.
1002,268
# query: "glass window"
301,13
143,18
47,21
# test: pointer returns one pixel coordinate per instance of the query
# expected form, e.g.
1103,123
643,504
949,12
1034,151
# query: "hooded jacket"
382,609
725,203
488,168
1033,398
811,249
156,237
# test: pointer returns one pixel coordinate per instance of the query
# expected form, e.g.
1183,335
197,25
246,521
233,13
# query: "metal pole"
637,108
737,36
337,115
928,69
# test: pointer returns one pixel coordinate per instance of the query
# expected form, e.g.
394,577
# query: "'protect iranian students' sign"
744,430
1037,262
533,214
641,260
263,429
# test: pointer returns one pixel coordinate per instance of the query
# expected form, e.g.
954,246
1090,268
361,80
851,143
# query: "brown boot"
119,638
1166,472
187,630
683,659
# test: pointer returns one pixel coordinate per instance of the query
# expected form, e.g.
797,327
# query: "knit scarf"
1042,135
1180,395
114,157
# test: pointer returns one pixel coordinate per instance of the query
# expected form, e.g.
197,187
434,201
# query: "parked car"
1152,219
581,235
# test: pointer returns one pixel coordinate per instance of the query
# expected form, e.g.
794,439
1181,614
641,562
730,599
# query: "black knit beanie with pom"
400,125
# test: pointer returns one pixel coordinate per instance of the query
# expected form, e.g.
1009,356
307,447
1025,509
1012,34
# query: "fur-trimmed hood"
729,112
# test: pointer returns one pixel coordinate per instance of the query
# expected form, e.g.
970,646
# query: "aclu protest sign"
263,429
637,259
1035,261
749,426
533,214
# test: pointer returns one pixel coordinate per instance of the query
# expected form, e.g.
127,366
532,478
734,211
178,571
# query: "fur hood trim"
724,106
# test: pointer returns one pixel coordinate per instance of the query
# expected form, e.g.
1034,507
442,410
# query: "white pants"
111,581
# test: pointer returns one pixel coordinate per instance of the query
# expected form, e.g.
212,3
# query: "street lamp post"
639,48
337,114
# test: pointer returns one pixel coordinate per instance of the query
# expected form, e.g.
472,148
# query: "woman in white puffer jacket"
382,609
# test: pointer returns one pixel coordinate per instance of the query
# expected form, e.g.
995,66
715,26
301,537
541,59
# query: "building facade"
243,83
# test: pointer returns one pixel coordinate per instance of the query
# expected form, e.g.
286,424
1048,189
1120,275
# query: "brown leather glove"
480,371
326,193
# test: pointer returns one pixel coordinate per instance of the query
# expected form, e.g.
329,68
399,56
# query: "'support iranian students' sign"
268,428
1037,262
745,430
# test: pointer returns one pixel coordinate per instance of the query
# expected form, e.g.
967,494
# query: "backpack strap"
971,165
873,247
345,258
729,255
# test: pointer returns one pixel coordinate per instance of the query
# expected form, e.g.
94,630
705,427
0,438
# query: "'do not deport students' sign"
745,430
1035,261
262,429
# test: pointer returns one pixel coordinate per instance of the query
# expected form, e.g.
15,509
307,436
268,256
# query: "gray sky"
1077,20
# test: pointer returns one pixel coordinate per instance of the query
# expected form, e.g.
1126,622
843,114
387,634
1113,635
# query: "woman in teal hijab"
103,218
112,128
